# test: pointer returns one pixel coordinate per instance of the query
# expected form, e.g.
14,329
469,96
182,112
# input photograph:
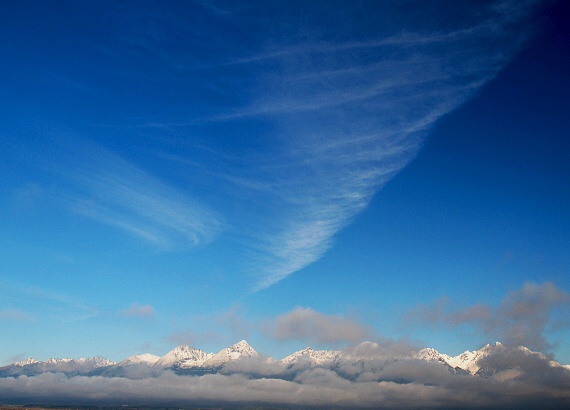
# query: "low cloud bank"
517,380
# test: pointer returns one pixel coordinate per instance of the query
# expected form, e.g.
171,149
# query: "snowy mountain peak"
236,351
184,355
240,349
145,358
313,357
56,361
490,347
91,361
367,345
469,360
430,354
96,361
181,351
292,358
242,346
26,362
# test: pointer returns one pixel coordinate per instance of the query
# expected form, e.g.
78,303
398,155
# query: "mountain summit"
234,352
183,356
312,357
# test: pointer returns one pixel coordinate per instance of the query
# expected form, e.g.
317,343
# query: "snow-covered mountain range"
242,358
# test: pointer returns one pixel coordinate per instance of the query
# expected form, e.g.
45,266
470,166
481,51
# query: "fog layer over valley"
391,375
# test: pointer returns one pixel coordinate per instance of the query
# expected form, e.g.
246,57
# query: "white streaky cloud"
344,114
110,190
505,12
335,182
351,115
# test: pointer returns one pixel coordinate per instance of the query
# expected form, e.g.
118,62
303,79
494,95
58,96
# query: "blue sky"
289,173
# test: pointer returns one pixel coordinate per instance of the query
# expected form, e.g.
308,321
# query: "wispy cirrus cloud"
350,115
104,187
342,110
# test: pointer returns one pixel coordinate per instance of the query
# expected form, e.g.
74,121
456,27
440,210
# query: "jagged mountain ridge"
236,351
68,366
186,359
313,357
145,358
183,356
91,361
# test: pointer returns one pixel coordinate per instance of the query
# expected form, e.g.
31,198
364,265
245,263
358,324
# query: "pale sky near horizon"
289,173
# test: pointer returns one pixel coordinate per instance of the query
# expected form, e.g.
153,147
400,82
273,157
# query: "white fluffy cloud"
520,319
308,325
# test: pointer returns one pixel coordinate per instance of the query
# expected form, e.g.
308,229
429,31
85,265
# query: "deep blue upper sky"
196,172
